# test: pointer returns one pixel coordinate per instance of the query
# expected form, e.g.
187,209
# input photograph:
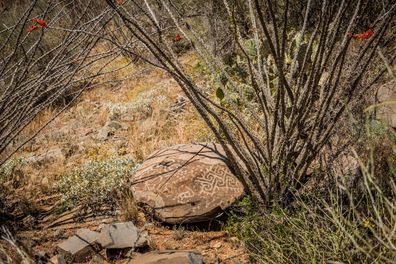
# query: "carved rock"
186,183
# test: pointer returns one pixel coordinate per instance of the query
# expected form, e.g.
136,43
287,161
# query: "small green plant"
94,183
9,168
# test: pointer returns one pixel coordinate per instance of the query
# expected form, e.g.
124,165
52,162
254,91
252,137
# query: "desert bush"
287,89
95,184
348,224
283,236
11,176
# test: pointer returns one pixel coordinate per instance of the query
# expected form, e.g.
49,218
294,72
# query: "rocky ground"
124,120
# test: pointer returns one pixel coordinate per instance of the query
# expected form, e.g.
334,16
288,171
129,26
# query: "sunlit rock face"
186,183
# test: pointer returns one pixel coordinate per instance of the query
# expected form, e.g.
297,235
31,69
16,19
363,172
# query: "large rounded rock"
186,183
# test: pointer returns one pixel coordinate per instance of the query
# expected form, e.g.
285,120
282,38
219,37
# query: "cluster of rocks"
182,184
117,240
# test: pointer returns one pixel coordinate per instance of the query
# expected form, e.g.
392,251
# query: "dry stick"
327,132
214,115
21,116
201,101
27,119
273,51
387,65
240,120
342,51
53,118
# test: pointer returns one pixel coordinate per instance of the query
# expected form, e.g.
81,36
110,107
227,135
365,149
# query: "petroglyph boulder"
186,183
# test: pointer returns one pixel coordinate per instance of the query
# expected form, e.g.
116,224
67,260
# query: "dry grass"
354,223
74,132
158,132
128,207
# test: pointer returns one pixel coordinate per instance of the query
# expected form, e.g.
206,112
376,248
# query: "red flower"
41,22
31,28
364,35
178,38
120,2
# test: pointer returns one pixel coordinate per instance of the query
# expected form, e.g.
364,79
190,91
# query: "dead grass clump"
179,232
128,206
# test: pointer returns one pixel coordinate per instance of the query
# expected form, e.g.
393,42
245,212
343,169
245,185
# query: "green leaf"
250,46
220,94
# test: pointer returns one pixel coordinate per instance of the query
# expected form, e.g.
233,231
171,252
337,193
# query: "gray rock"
113,124
186,183
105,133
169,257
79,247
122,235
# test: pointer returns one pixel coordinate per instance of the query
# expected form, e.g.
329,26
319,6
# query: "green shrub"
282,236
94,184
353,224
8,169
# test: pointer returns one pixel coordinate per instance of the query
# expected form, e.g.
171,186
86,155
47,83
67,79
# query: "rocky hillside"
74,174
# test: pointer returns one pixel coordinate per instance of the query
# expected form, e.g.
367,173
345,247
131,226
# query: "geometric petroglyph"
186,183
217,177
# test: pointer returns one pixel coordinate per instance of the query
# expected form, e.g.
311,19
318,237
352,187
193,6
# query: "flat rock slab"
169,257
186,183
122,235
79,247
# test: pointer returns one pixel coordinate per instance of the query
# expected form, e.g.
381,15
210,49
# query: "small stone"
98,259
87,235
45,181
57,259
122,235
104,133
79,247
113,124
217,245
169,257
